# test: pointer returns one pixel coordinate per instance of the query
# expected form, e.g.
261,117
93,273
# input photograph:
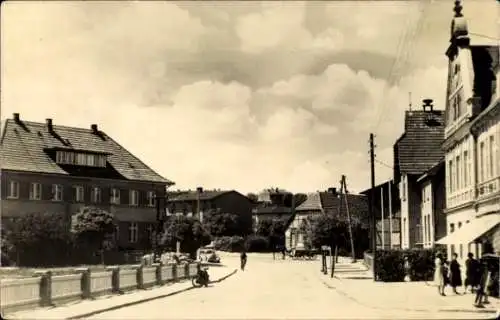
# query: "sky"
235,95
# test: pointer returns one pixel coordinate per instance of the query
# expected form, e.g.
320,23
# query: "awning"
472,231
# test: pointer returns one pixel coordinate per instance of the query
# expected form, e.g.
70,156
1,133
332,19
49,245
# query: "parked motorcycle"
201,279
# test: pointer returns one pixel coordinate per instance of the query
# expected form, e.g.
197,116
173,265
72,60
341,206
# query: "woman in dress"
455,274
439,273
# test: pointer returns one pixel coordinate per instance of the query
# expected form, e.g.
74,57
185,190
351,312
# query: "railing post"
158,273
45,287
140,277
174,273
186,270
85,282
115,278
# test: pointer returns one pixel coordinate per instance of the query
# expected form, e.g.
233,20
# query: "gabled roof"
335,204
190,195
313,202
432,171
23,145
419,148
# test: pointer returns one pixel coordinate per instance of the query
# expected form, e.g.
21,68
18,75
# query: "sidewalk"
403,296
87,308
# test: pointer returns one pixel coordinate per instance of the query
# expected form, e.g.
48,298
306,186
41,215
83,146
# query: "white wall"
427,216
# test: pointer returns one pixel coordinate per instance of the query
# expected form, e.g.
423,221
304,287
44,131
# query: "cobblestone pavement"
280,289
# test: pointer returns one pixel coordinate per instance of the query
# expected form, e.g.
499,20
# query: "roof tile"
22,149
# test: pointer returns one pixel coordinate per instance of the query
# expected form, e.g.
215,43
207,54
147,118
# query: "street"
270,289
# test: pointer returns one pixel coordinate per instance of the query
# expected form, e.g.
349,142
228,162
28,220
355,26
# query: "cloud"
173,88
281,26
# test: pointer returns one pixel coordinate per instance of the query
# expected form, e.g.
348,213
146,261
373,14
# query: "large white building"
472,137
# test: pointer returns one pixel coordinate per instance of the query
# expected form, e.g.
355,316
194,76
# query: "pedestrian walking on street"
471,273
243,260
439,277
455,274
481,297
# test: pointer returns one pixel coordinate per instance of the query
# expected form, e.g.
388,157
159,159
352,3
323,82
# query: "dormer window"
81,159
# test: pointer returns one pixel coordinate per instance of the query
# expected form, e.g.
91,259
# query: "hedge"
389,264
256,243
229,244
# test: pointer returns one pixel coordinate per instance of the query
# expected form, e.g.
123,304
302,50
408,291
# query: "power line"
384,164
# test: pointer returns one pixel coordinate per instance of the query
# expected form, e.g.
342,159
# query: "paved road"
267,289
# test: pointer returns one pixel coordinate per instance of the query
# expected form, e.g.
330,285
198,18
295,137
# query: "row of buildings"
447,163
53,168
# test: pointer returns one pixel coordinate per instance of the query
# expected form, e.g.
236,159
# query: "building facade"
329,202
200,202
386,202
472,137
58,169
415,152
433,203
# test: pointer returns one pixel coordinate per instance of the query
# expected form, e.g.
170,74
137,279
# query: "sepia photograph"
250,159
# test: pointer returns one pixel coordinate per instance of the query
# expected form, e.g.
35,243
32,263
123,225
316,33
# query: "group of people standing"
480,276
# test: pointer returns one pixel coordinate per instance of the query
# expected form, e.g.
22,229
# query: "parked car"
209,255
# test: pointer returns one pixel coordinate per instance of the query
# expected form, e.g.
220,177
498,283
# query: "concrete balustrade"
45,289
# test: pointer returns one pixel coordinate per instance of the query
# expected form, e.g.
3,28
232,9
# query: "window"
91,160
95,195
35,191
57,191
133,233
151,232
115,196
481,162
134,198
151,198
452,227
466,169
459,225
13,191
450,176
81,159
457,173
492,158
79,193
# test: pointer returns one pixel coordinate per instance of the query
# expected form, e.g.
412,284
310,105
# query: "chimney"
94,129
332,191
428,106
16,117
50,128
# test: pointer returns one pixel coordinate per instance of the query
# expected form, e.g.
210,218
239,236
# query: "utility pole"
343,190
390,214
371,212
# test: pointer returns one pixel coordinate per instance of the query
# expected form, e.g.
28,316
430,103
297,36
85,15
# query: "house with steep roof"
471,141
59,169
275,203
416,151
332,203
199,202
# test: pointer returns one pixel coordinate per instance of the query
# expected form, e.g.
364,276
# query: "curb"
93,313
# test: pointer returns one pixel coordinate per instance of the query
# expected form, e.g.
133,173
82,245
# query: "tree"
277,233
188,231
327,230
253,197
37,239
264,227
93,228
221,224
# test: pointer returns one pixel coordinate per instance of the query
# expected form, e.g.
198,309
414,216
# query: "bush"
229,244
389,264
255,243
